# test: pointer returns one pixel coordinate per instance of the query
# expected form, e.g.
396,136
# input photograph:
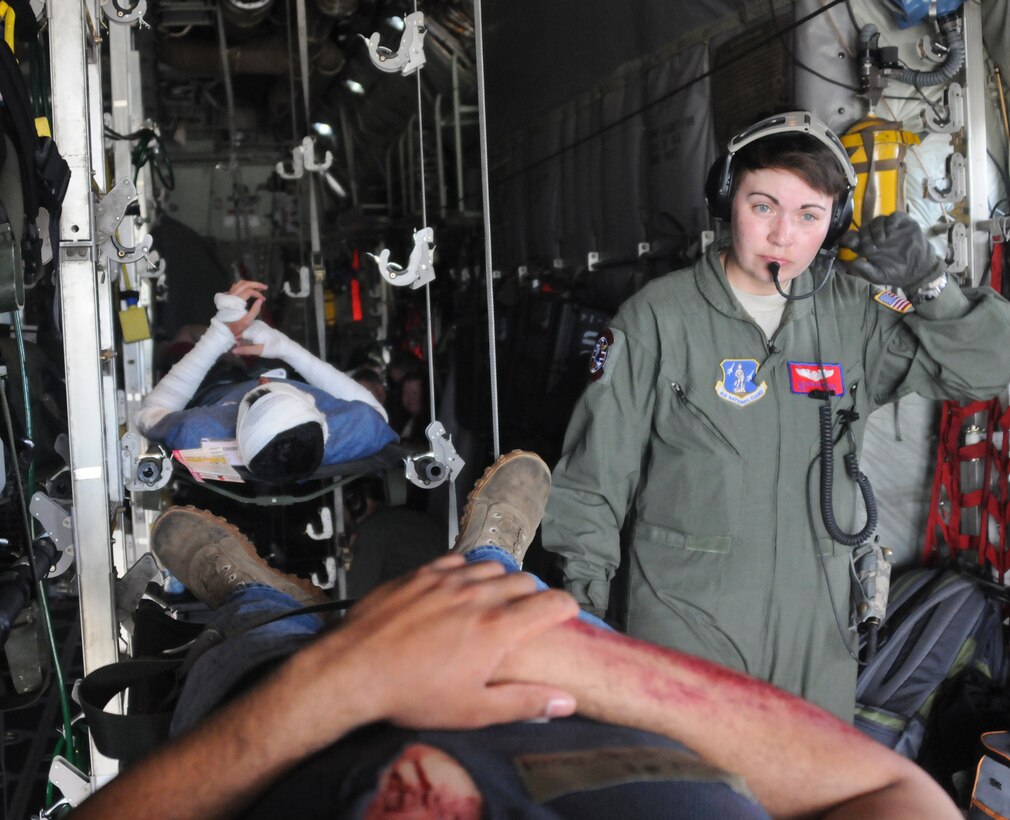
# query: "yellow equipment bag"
877,150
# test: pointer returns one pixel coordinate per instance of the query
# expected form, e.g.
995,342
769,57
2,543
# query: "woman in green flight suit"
695,441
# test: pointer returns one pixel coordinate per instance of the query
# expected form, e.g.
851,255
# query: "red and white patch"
806,377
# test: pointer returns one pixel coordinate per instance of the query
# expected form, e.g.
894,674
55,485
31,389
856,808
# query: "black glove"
894,251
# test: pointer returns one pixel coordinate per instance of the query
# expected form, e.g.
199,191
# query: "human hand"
245,290
259,339
425,648
894,251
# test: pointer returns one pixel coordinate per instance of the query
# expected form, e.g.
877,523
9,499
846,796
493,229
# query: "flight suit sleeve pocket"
672,538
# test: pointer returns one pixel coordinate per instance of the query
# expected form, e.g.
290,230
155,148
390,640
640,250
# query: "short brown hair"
805,156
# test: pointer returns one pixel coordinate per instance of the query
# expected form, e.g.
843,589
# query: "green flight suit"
709,468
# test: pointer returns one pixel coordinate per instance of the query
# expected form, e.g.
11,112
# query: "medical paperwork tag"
608,344
889,299
738,384
212,460
806,377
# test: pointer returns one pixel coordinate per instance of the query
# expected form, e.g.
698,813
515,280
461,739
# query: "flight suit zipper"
700,417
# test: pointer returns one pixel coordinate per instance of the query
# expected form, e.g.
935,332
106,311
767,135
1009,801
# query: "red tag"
806,377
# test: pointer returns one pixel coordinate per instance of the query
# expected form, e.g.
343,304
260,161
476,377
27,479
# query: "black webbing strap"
130,736
125,737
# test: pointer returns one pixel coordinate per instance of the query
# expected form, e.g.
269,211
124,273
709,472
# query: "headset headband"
792,122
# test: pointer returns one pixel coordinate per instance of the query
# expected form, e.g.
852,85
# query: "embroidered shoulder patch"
608,345
892,300
738,384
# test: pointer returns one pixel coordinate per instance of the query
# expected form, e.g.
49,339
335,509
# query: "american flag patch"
892,300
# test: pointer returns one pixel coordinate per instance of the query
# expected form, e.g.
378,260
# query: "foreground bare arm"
419,653
458,647
799,760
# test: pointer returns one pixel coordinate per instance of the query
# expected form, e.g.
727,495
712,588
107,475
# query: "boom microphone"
774,267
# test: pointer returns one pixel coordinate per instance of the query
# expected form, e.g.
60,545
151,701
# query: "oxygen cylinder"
877,150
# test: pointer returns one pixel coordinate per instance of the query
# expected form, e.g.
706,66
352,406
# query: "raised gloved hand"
894,251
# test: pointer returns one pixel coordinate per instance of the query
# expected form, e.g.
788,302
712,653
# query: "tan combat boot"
212,558
505,506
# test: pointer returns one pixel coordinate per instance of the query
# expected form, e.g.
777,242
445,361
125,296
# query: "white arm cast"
317,372
179,385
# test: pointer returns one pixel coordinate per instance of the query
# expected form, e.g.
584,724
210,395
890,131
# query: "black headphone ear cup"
841,219
718,185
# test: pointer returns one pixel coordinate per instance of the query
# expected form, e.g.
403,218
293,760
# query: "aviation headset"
719,183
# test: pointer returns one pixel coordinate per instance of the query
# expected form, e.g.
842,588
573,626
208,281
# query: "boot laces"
507,527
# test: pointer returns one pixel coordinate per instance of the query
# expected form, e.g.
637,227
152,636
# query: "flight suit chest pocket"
694,484
682,420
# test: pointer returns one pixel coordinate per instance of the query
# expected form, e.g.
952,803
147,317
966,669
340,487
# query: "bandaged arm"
317,372
175,390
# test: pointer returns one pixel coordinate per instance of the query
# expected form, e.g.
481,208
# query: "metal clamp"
115,13
420,269
441,463
958,238
131,587
59,524
953,99
303,158
143,471
953,187
409,57
109,214
74,784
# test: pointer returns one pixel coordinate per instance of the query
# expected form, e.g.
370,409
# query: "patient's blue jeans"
237,644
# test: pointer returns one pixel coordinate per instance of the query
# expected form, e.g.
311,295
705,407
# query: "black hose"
827,481
955,58
16,591
872,632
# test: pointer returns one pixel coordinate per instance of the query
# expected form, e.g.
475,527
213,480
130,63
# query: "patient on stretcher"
284,428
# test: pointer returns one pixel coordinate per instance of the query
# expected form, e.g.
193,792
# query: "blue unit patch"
892,300
608,346
601,351
738,384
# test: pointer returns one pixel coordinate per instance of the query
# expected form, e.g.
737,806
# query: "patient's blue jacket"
355,429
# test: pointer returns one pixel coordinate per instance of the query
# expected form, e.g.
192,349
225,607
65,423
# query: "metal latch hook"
109,214
442,462
303,285
303,158
420,269
409,57
116,13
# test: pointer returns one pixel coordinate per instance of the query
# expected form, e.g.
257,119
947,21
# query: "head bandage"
270,409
